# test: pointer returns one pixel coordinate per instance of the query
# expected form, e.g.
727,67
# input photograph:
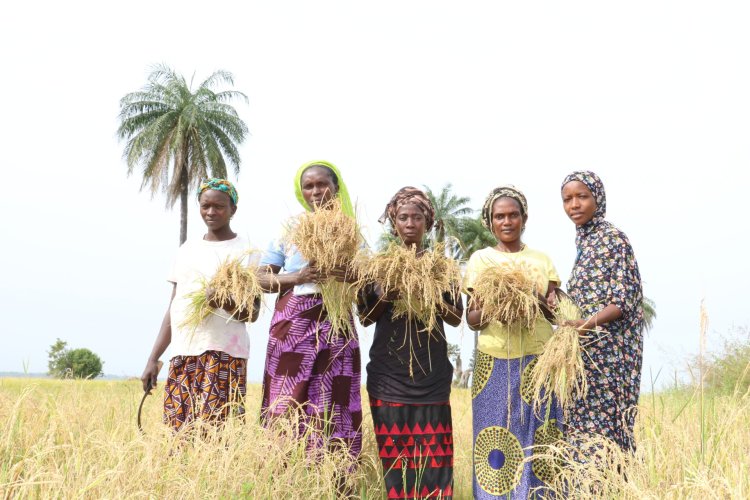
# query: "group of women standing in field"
316,373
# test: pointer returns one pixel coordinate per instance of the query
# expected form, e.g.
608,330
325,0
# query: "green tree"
76,363
449,211
473,236
56,353
649,313
195,133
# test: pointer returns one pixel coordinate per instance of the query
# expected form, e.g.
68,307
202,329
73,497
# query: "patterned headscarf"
342,193
219,185
405,195
594,183
506,191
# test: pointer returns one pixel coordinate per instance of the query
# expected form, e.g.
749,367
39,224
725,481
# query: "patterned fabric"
506,430
209,386
415,444
309,372
507,191
404,196
342,193
606,272
220,185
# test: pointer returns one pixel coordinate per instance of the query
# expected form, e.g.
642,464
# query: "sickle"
146,392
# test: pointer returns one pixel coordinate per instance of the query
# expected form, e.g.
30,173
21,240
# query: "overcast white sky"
652,95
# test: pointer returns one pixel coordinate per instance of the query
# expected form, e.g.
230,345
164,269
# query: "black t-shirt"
396,344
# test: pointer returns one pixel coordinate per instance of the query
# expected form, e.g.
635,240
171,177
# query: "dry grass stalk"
234,282
330,239
507,294
420,280
559,370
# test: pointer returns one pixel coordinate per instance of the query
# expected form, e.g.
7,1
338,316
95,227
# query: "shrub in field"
75,363
729,370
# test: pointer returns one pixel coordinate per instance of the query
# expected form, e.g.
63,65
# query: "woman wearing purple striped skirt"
309,371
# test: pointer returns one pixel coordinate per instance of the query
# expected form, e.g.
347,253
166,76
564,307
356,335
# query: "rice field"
78,439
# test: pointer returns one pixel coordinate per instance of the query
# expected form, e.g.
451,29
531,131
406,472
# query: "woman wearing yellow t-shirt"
505,426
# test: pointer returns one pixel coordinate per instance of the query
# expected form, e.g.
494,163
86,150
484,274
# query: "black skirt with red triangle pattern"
415,444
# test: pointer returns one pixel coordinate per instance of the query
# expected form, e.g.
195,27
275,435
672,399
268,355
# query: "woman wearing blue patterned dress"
505,427
606,286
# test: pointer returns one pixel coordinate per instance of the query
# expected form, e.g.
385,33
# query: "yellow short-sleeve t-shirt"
497,339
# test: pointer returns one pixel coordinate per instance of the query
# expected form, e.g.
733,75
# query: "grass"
419,279
560,370
78,439
506,293
235,282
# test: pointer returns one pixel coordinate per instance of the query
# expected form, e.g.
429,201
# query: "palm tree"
449,210
166,124
649,313
473,236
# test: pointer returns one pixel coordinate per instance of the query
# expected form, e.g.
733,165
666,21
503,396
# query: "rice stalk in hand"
234,285
329,240
507,294
559,370
420,279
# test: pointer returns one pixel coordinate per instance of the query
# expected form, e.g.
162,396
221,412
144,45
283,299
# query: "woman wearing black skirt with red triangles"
409,380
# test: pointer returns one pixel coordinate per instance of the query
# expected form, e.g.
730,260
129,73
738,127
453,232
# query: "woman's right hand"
148,379
309,274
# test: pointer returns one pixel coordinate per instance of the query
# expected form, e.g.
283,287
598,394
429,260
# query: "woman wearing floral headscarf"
309,369
505,426
209,366
411,409
606,285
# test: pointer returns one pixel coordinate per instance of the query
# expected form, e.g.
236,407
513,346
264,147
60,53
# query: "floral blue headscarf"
220,185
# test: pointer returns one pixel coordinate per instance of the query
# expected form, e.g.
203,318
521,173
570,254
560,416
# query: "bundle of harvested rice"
419,279
559,370
507,294
235,282
329,240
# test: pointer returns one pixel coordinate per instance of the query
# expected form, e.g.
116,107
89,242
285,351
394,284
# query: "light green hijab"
343,193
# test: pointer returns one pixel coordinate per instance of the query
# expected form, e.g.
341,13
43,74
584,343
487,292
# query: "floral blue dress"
606,272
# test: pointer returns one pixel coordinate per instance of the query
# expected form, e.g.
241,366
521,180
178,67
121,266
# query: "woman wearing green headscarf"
309,368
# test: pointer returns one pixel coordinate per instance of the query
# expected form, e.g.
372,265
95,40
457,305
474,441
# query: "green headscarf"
343,193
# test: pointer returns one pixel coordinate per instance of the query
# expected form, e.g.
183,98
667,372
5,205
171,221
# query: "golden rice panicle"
330,239
234,281
327,237
507,294
420,279
560,371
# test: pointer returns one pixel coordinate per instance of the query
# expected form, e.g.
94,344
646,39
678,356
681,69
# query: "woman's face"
507,220
216,209
410,224
578,202
317,187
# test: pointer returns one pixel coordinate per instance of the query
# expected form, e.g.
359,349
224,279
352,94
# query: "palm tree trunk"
183,205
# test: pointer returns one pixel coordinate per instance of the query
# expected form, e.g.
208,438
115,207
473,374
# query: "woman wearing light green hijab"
307,369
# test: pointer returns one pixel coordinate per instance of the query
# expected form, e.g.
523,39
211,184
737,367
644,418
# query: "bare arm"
372,307
606,315
163,340
242,314
451,313
271,281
